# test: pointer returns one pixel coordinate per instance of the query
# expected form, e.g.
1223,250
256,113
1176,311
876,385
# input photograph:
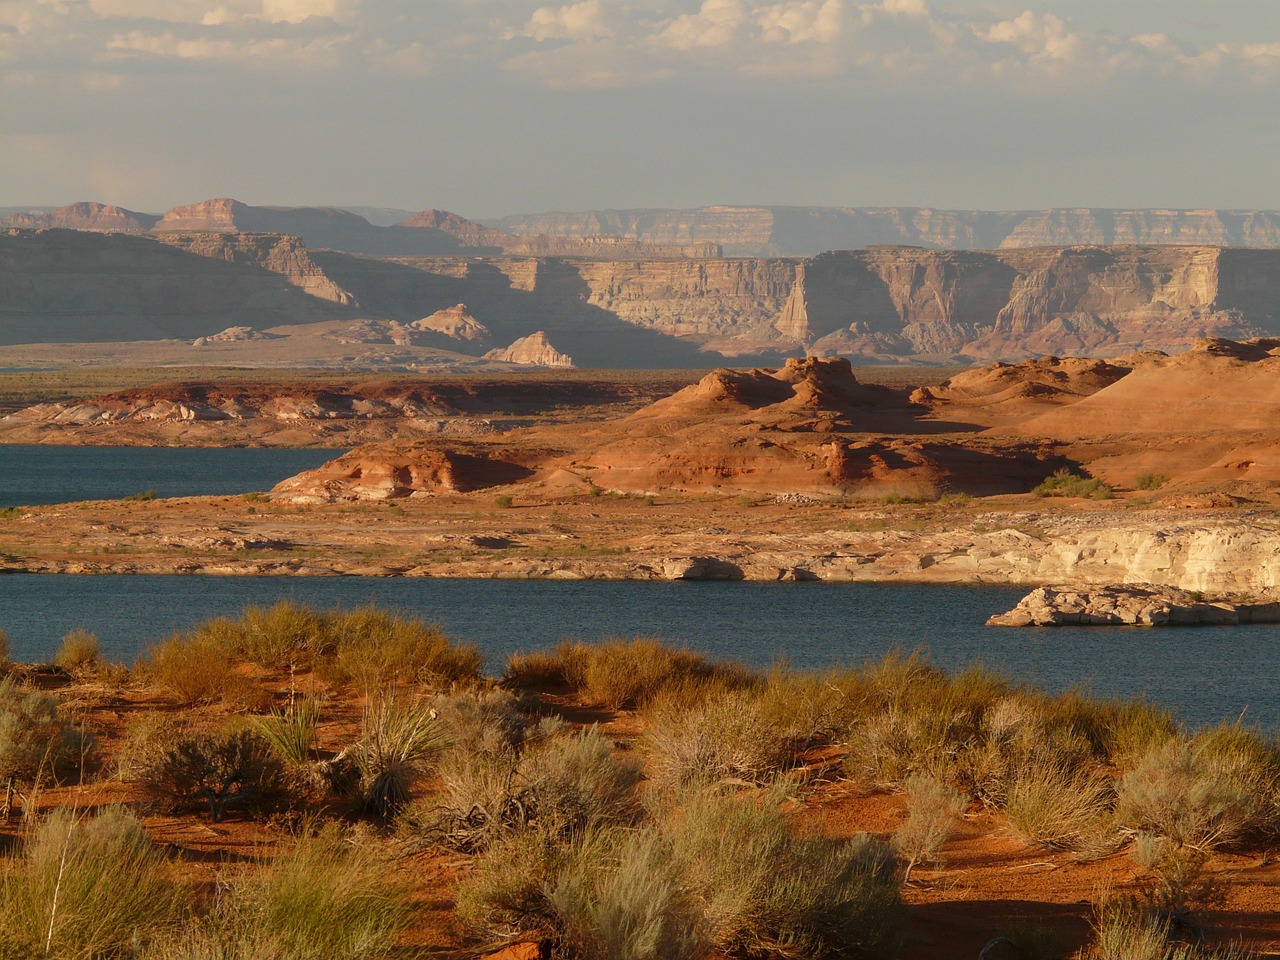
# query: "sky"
493,107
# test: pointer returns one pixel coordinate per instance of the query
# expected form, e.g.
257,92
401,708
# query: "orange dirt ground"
986,884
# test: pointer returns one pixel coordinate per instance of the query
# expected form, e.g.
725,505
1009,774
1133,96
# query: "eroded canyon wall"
885,303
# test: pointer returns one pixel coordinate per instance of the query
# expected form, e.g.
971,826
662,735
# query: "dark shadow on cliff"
557,304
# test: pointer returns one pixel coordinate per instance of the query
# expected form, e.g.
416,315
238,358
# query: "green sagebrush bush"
86,888
36,742
716,872
558,785
319,899
1213,789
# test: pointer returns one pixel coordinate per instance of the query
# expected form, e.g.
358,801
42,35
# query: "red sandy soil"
987,883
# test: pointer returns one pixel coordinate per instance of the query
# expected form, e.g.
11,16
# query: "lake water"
1207,674
31,475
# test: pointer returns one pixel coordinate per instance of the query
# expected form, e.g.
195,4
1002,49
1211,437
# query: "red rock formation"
383,471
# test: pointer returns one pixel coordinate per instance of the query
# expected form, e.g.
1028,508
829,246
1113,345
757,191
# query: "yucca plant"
292,731
398,739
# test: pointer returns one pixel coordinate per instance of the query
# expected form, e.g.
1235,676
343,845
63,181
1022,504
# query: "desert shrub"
319,899
86,889
371,648
218,770
763,891
1213,789
398,741
1150,481
725,736
504,894
1064,483
580,782
811,708
274,636
199,669
484,721
1016,733
1126,928
932,810
560,785
624,674
539,668
36,741
608,894
617,898
1054,805
79,651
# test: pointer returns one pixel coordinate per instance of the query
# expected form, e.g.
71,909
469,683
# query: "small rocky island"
1135,605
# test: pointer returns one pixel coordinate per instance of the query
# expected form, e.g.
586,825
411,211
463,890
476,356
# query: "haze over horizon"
494,107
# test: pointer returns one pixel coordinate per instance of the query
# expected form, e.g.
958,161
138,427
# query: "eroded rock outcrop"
534,350
384,472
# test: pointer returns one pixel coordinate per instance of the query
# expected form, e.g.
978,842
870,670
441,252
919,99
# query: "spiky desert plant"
86,888
291,732
398,740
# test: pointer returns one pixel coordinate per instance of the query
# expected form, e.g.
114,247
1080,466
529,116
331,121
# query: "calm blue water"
31,475
1206,674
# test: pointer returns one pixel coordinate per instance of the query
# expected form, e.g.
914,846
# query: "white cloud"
818,21
717,23
576,21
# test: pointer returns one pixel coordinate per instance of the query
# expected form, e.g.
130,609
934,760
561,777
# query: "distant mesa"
471,234
86,215
328,228
534,350
807,231
810,427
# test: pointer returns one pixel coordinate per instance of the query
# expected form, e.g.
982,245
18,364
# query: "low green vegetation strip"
690,842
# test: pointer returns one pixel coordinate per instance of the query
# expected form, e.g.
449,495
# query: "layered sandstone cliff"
319,227
806,231
1103,301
